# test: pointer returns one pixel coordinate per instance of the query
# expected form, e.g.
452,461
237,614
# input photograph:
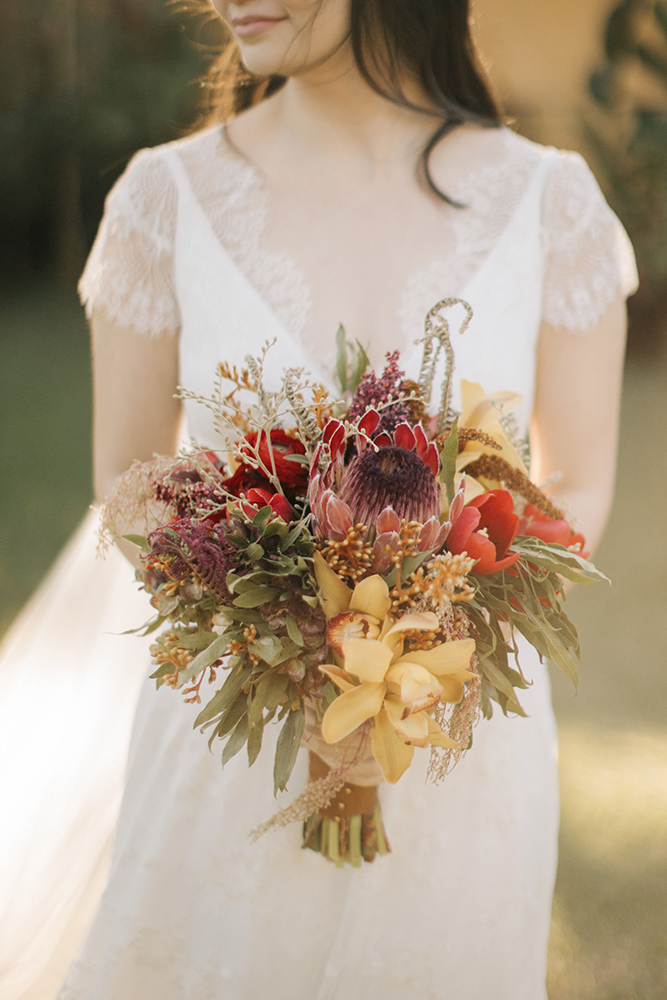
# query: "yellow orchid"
482,410
378,680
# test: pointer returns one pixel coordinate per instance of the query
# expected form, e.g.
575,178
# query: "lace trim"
129,274
589,258
236,203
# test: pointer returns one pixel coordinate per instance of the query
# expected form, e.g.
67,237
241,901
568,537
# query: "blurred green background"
83,84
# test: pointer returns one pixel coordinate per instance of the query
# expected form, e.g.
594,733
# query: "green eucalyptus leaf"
222,698
262,518
287,748
293,630
139,541
196,640
254,552
236,740
268,648
208,656
254,742
255,597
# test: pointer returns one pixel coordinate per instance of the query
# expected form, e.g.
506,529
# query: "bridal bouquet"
354,569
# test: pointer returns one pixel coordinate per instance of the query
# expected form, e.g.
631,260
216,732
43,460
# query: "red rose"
485,529
255,499
293,476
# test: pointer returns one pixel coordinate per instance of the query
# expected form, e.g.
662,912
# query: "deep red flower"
293,476
255,499
554,531
485,529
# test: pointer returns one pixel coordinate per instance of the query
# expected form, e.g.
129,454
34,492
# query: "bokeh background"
83,84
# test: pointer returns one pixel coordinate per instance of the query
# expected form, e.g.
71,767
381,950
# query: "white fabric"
193,910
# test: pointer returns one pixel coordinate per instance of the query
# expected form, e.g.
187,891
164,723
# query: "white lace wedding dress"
193,910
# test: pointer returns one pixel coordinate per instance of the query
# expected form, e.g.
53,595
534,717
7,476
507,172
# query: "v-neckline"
407,349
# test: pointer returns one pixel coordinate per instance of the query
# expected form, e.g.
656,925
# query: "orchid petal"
410,679
447,658
437,738
393,756
413,729
367,659
452,689
338,676
425,621
350,710
335,595
371,597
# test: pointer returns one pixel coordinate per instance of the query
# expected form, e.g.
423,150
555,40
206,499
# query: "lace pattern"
129,274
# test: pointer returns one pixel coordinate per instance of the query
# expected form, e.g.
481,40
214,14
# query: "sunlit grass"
45,437
609,933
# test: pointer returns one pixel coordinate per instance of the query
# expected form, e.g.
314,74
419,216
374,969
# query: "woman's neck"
330,110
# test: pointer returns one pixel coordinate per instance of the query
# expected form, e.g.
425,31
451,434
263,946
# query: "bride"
365,176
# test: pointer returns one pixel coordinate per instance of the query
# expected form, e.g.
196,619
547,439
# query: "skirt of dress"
195,911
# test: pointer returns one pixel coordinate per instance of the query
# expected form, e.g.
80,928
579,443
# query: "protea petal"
428,534
369,422
437,738
382,440
367,659
350,710
335,595
404,437
421,439
339,516
332,429
447,658
371,597
383,546
459,501
388,521
393,756
430,458
442,536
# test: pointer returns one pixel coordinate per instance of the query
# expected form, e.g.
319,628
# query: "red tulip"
493,514
553,531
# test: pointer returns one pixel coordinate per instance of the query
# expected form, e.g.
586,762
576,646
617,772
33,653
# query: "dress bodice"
182,244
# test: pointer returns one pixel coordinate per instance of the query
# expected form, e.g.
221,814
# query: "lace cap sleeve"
589,257
129,273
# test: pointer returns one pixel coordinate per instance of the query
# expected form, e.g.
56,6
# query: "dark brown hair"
426,41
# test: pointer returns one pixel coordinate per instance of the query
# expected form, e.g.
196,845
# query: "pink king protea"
387,479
